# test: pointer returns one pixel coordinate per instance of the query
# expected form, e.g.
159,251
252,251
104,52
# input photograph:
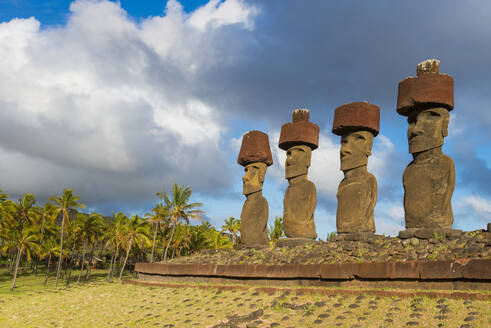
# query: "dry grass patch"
101,304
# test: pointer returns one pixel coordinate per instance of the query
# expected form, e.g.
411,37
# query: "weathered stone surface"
299,132
254,215
377,248
254,221
357,195
255,148
357,123
430,233
298,208
428,189
354,236
477,269
255,155
429,180
428,88
356,116
299,139
294,242
439,269
236,319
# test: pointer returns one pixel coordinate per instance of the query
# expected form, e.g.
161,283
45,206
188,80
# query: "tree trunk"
110,266
87,275
61,250
173,252
170,240
153,244
126,259
82,264
19,251
11,260
47,270
1,247
102,249
36,261
116,258
70,267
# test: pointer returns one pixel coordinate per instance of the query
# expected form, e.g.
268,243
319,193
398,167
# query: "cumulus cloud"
113,107
473,208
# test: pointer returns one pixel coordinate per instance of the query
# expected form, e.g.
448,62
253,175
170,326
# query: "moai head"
357,123
253,178
297,161
255,156
298,139
426,101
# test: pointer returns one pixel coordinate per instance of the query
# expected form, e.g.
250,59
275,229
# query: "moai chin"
298,139
255,156
357,123
429,180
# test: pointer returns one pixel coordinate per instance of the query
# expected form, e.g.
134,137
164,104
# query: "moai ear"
262,172
308,153
369,143
445,126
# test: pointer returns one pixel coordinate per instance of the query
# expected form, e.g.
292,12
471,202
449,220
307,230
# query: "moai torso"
254,220
298,209
428,188
356,196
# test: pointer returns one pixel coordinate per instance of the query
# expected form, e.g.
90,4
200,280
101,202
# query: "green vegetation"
276,230
62,239
232,225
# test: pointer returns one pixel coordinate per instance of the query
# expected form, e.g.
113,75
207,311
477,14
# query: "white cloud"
473,208
389,218
106,96
217,13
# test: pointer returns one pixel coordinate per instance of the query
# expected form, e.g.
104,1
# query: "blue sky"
119,99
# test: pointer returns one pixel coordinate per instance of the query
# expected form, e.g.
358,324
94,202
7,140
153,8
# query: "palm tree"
45,223
159,215
115,238
94,225
64,204
25,241
136,232
198,237
50,248
276,230
20,214
232,225
216,240
179,208
182,239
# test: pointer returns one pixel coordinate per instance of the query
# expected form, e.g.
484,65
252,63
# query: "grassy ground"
27,282
102,304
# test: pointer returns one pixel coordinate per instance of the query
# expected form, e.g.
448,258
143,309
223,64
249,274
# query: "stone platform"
450,275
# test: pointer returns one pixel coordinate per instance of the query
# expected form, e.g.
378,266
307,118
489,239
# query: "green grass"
28,282
101,304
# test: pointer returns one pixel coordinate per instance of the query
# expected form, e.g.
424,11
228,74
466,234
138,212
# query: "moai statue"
357,123
255,156
429,180
298,139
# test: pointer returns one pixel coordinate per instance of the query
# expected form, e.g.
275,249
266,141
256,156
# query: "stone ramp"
470,295
459,274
